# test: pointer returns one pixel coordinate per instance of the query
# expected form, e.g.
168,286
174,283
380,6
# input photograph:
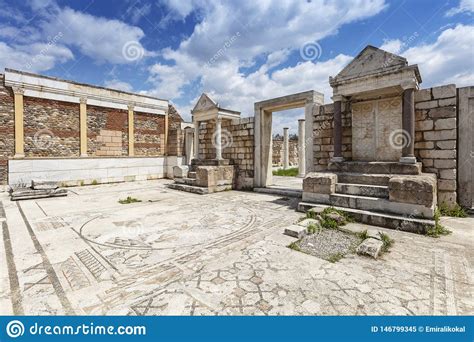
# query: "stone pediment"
371,60
205,103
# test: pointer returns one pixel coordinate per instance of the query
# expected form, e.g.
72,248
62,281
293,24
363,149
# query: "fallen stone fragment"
296,231
336,217
370,247
44,185
180,171
27,193
307,222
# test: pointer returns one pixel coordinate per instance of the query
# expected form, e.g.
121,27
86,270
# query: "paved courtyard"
176,253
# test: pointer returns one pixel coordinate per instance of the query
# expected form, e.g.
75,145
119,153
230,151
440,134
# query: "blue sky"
237,51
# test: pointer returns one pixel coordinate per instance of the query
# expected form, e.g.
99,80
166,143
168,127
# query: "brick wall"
108,119
277,152
238,147
435,140
7,127
323,145
51,128
149,134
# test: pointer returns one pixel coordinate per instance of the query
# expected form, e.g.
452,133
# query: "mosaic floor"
178,253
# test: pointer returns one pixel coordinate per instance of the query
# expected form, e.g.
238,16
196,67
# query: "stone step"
186,180
398,222
192,174
370,203
199,189
376,167
362,178
379,191
280,192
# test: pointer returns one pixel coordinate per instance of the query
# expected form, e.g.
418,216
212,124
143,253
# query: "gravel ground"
327,243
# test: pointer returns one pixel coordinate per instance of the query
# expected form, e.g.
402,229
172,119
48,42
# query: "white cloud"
34,57
465,6
448,59
138,11
99,38
393,45
118,85
262,28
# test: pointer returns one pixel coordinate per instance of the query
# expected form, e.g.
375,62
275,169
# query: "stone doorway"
374,126
263,131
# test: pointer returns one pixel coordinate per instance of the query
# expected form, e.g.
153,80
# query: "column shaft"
337,132
408,126
131,131
19,133
286,159
218,139
196,139
301,148
83,125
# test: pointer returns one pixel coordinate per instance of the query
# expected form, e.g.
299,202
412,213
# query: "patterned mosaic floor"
177,253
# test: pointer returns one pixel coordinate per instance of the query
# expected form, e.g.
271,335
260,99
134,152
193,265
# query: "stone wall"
277,152
238,146
109,119
436,138
323,145
175,133
51,128
149,134
7,127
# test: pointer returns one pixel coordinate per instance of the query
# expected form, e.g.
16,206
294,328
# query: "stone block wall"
108,119
238,146
277,152
51,128
436,137
149,134
7,127
323,145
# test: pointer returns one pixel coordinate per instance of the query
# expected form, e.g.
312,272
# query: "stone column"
188,144
337,130
218,139
408,124
286,159
19,133
196,139
131,131
83,125
301,148
165,149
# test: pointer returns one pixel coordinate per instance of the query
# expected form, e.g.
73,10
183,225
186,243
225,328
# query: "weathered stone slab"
296,231
321,183
413,189
444,91
44,185
307,222
370,247
25,194
180,171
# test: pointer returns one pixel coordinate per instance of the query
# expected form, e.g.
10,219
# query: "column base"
84,155
337,159
408,160
19,155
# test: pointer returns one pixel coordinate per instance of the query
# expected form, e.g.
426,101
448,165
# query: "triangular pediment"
371,60
204,103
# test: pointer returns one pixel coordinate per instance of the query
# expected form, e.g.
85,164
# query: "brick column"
408,123
131,130
337,130
286,154
19,133
301,148
83,125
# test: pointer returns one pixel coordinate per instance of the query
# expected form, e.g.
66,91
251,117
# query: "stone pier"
286,158
301,148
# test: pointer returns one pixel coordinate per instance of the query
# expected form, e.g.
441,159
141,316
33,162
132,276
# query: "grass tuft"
363,235
129,200
387,241
438,229
454,211
335,257
294,246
